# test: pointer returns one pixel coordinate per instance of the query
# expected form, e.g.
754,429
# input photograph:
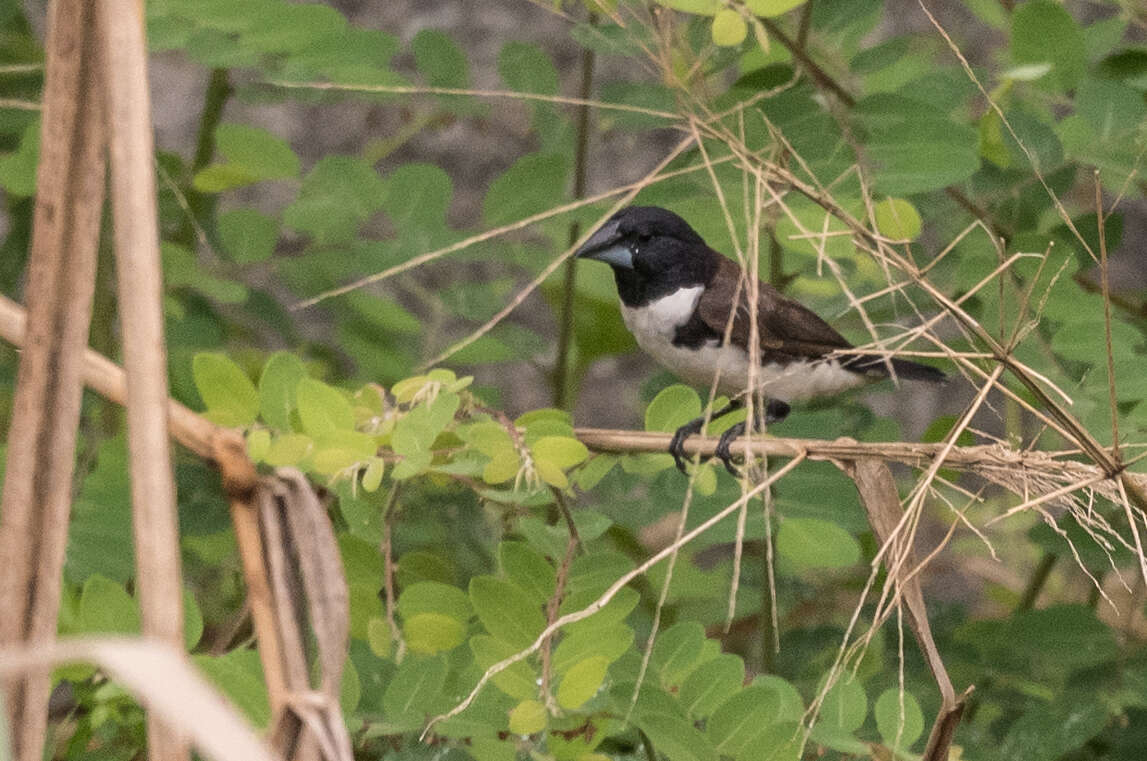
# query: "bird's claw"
775,411
677,443
723,453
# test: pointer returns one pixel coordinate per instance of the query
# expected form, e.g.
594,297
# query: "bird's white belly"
654,325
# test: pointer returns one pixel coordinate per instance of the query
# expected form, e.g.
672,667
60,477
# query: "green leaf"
239,675
1045,733
430,633
582,682
677,738
322,408
416,199
897,218
528,717
107,608
534,183
182,269
220,177
1071,636
379,636
337,196
1043,31
192,620
708,687
336,451
589,475
502,467
256,150
229,394
289,449
100,531
609,642
248,235
677,652
914,147
812,543
699,7
845,705
729,29
507,612
372,476
258,444
18,169
439,59
519,681
277,386
415,432
648,95
790,704
527,568
526,68
558,453
434,597
899,728
672,408
769,8
414,690
741,718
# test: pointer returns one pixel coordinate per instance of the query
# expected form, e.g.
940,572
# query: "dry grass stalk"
162,680
136,232
46,407
293,703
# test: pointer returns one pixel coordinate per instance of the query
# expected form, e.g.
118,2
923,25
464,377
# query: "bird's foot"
677,443
774,412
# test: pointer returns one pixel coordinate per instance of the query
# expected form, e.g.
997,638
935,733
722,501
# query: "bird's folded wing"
784,326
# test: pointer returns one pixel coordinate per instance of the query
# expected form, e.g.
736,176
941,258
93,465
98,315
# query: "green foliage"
477,504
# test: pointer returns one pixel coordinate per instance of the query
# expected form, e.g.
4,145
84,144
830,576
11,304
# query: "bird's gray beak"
605,246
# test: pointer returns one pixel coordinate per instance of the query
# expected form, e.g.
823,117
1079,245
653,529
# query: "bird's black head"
652,251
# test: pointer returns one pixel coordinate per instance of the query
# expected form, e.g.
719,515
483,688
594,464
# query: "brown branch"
49,383
140,287
227,450
881,502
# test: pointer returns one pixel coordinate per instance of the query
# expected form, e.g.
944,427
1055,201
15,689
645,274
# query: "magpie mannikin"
676,296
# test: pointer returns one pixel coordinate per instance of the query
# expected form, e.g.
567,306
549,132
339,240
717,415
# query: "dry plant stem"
227,450
239,481
49,384
881,502
552,606
107,379
1106,283
136,227
161,679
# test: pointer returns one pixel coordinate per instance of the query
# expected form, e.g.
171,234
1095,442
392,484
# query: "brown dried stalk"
46,408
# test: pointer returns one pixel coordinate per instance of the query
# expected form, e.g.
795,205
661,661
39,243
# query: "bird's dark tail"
877,366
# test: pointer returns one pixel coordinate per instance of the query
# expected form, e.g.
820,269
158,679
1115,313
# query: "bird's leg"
677,444
775,411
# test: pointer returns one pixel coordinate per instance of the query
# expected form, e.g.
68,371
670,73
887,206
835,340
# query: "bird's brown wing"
784,326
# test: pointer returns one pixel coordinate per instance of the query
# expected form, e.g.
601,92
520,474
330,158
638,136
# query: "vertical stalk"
140,286
218,91
567,316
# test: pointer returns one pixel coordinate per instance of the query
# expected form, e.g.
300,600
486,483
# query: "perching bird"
676,296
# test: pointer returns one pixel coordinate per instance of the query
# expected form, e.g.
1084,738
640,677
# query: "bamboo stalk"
46,409
140,287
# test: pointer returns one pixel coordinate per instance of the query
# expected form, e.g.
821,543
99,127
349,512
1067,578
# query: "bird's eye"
644,237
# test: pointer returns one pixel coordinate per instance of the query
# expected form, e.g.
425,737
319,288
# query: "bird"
677,298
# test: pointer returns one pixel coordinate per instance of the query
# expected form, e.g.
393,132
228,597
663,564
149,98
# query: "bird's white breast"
655,324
